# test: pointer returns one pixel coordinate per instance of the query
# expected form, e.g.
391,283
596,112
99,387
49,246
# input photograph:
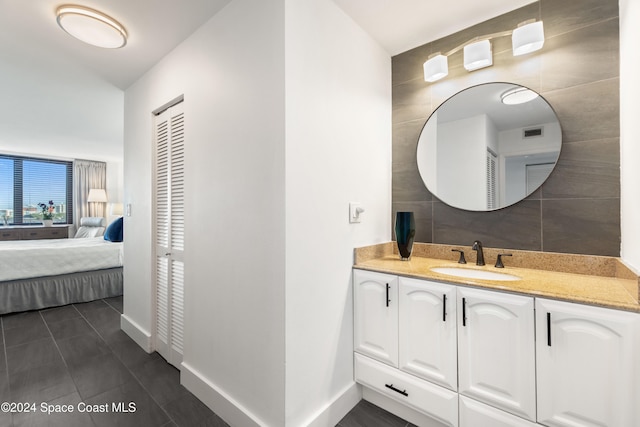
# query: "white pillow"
89,232
92,221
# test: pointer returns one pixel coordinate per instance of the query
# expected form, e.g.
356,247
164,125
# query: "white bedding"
22,259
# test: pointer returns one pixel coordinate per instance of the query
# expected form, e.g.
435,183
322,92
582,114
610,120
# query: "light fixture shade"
97,195
436,68
91,26
478,55
527,38
519,95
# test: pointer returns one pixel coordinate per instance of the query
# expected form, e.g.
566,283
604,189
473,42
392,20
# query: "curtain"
87,174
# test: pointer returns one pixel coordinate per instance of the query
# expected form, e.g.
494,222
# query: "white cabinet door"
427,331
588,371
476,414
376,315
496,362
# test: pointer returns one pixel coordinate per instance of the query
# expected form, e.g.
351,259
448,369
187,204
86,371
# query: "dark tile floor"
366,414
77,357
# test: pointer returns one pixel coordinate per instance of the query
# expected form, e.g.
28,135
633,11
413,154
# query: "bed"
36,274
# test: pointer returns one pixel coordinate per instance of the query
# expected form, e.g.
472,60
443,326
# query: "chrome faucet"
477,246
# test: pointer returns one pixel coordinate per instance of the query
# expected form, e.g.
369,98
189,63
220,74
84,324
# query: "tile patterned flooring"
366,414
77,355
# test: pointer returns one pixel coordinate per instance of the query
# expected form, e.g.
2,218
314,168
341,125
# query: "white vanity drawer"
435,401
476,414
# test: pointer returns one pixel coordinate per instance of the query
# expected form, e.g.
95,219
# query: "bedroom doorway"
168,198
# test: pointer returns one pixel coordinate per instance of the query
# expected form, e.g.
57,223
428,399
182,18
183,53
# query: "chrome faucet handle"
461,260
499,263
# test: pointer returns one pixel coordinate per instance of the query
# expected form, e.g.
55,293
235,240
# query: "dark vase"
405,233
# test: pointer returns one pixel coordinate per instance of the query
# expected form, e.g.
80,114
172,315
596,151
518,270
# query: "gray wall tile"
410,101
587,112
404,148
583,56
408,65
582,226
562,16
407,186
586,169
515,227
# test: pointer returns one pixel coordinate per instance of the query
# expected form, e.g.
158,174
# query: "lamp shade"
436,68
527,38
478,55
91,26
117,209
97,195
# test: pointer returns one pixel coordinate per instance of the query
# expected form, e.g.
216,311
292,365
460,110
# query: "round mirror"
489,146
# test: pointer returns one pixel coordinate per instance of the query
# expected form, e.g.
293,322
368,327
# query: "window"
25,182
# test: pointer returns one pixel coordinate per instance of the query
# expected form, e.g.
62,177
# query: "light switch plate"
354,215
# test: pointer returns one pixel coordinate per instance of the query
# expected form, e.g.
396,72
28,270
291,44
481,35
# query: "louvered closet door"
169,233
492,194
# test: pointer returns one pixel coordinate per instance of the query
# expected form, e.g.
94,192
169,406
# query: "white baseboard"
231,411
234,414
336,409
136,332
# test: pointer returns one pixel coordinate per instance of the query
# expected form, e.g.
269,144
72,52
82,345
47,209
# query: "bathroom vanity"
553,345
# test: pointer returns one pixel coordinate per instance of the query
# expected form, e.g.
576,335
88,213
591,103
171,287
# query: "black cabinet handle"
402,392
444,307
388,300
464,312
549,329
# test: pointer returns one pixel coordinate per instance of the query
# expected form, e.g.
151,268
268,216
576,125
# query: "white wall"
462,144
258,179
231,72
516,153
629,146
338,149
61,111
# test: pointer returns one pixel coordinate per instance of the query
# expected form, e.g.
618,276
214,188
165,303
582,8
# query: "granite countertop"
601,281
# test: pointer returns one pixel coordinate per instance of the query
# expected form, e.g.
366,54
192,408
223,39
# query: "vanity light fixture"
91,26
478,55
526,38
436,67
519,95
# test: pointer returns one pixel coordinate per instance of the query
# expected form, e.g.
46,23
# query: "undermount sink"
474,274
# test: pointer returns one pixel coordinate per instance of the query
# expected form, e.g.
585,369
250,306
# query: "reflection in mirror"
479,152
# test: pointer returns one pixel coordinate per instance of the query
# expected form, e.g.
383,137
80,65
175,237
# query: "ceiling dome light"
91,26
527,38
519,95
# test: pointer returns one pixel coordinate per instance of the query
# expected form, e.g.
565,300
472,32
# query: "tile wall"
577,210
